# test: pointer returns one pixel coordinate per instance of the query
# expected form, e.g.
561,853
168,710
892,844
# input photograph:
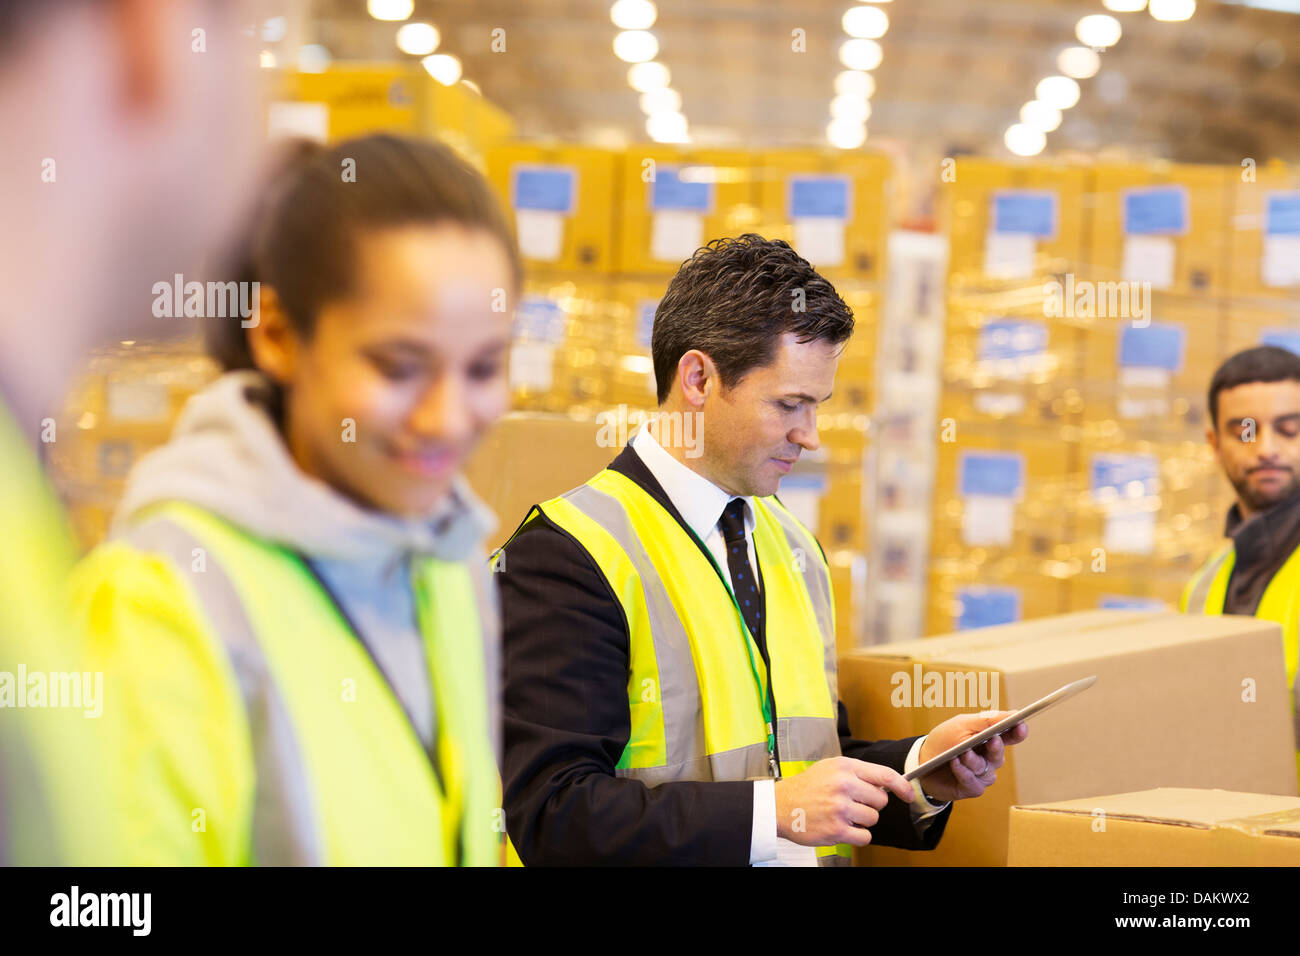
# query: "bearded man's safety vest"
696,683
335,772
1207,592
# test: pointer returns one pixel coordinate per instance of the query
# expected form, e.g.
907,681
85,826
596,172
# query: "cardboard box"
528,458
561,200
1166,827
1167,710
797,183
675,199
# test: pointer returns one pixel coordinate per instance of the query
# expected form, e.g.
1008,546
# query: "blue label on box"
1009,339
540,319
1025,211
645,321
1155,212
1282,214
992,474
1118,602
1159,345
1282,338
669,191
545,188
1129,476
984,607
819,197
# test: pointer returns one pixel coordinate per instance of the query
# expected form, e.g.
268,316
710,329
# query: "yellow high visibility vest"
696,685
302,753
1207,592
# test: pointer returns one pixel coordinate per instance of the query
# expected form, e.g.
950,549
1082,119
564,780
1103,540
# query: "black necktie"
743,582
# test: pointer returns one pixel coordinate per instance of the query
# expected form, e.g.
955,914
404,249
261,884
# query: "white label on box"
999,403
1130,531
137,401
675,234
541,233
1281,260
308,120
988,520
1009,255
820,240
1149,259
532,365
1144,376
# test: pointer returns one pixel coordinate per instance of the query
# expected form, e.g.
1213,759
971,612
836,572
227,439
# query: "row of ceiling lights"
419,39
636,45
1055,94
860,54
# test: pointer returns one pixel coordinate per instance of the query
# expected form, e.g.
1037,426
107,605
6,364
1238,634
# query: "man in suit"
670,691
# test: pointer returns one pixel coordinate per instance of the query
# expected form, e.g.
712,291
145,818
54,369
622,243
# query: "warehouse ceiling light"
1173,11
1078,62
1024,140
418,39
850,108
1040,116
644,77
667,128
636,46
662,100
1098,31
1124,6
846,134
1058,91
443,67
390,9
855,82
858,54
633,14
274,29
868,23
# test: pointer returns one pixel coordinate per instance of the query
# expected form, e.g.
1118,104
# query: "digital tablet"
1002,726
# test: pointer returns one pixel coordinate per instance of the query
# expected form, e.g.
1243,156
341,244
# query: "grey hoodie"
227,457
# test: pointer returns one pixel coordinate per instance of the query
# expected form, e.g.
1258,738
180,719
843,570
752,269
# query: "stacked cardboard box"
1169,826
1180,701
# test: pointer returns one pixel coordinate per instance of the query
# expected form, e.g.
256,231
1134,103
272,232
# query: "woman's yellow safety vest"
1207,592
695,698
326,767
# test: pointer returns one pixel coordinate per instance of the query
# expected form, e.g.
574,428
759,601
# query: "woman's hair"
320,200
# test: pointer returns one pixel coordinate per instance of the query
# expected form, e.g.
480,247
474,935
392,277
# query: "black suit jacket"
567,723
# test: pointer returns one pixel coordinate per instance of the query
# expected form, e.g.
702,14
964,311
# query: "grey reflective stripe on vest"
679,688
817,581
284,833
1200,592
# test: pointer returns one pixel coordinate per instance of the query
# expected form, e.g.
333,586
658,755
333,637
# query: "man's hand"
974,771
835,800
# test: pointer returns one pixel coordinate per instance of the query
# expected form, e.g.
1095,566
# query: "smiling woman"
297,596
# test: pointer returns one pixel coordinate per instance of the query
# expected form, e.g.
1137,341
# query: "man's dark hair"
734,299
1264,363
302,241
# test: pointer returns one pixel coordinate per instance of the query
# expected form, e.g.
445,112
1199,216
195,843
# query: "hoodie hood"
227,456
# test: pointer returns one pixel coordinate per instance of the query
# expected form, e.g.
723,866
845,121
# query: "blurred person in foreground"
1254,429
296,583
669,628
126,151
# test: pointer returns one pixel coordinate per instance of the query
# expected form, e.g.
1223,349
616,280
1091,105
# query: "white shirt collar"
699,501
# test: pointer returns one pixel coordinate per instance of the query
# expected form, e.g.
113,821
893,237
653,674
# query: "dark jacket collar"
1269,534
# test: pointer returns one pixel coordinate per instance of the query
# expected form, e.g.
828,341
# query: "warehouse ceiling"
1220,87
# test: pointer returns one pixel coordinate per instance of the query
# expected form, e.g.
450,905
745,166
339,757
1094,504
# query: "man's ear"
273,342
696,376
